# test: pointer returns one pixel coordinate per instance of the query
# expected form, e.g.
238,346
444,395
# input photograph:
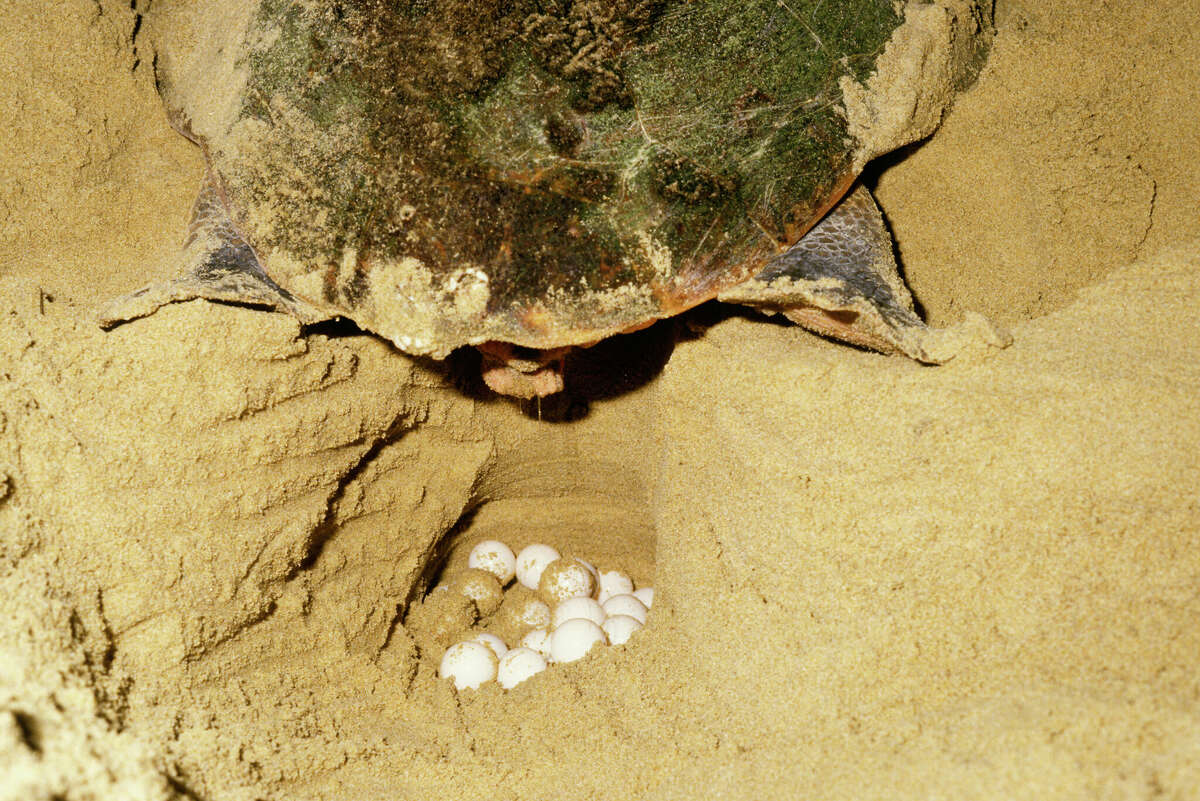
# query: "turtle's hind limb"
841,280
219,265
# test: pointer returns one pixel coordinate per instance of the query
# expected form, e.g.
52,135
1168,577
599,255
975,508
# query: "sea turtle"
528,176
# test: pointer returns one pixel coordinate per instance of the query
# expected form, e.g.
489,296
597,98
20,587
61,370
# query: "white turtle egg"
518,665
533,613
613,583
531,561
591,569
579,606
645,595
538,640
573,639
496,558
626,605
482,587
491,641
620,628
469,664
563,579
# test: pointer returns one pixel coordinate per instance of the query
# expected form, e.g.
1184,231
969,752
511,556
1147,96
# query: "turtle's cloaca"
841,280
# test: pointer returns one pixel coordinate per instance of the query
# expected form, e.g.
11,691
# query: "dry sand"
875,580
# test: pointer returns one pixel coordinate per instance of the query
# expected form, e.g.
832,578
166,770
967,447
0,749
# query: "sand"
874,579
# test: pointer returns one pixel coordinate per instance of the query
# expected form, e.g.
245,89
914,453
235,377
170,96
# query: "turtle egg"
573,639
481,587
538,640
491,641
518,665
626,605
469,664
531,561
496,558
620,628
613,583
533,613
563,579
579,606
591,569
444,615
645,595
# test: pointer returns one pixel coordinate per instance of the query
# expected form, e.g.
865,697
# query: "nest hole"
603,518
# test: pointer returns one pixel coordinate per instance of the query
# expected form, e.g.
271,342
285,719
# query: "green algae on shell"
538,173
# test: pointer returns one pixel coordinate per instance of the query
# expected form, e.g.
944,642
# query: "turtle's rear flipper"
841,280
218,266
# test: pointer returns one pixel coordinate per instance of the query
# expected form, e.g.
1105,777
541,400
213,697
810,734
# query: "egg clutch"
494,629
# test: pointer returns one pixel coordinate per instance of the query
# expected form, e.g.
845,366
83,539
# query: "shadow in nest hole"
612,367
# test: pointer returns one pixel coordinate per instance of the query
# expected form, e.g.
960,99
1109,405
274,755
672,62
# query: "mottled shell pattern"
540,172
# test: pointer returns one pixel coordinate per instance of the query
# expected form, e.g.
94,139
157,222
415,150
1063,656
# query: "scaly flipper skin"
841,280
218,266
